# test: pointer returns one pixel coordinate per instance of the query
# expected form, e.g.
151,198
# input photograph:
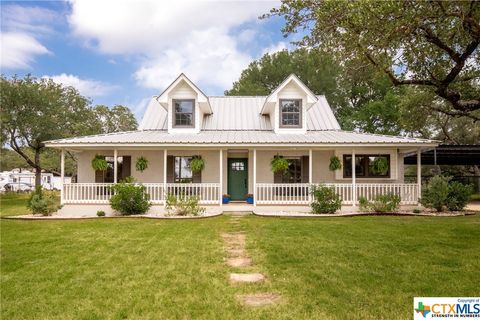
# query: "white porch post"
115,166
419,172
221,178
254,177
354,180
310,174
165,176
62,177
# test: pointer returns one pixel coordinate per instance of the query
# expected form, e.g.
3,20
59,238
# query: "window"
183,174
184,113
290,113
294,172
367,166
109,174
238,166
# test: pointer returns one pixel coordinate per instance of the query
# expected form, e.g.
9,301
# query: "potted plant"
380,165
279,164
249,198
197,164
99,163
141,164
226,198
335,163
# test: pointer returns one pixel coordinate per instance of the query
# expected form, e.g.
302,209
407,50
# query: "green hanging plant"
141,164
380,165
99,163
279,164
335,163
197,164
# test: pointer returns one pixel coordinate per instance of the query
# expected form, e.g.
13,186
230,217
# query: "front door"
237,178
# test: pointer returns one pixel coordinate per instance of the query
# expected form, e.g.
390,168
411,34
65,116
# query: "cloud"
200,38
19,49
21,29
87,87
277,47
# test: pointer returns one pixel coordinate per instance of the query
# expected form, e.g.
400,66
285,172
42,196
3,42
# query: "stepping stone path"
237,258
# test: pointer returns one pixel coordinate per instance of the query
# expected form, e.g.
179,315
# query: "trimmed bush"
42,202
382,203
325,200
458,196
435,193
183,206
130,198
100,213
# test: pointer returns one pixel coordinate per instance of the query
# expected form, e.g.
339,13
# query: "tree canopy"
432,45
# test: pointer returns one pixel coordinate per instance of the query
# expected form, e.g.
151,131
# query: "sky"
124,52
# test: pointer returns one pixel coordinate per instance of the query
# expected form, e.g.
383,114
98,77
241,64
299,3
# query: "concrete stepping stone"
246,277
239,262
259,299
235,253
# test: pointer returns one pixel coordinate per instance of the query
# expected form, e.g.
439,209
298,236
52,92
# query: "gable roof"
290,78
241,113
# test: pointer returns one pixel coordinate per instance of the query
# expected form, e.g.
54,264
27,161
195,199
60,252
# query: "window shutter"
170,169
305,169
126,167
277,177
197,177
99,176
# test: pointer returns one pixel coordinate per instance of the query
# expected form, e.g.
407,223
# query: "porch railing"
299,193
208,193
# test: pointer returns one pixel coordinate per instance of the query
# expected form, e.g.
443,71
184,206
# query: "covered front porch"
241,172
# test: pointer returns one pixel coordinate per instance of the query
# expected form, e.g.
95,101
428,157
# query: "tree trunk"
38,169
476,170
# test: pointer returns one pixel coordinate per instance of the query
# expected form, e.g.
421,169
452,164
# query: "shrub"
279,164
335,163
183,206
382,203
458,196
435,193
42,202
141,164
417,210
130,198
100,213
325,200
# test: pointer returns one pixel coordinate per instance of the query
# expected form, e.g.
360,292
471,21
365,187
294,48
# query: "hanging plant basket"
380,166
141,164
279,164
335,163
197,164
99,163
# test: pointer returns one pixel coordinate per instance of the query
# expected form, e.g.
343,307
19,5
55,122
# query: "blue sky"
123,52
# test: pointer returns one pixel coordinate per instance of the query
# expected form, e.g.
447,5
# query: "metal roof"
241,113
241,137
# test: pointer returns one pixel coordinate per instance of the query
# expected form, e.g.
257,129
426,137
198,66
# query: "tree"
36,110
118,118
429,44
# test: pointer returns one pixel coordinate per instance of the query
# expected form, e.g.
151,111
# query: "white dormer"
185,105
288,104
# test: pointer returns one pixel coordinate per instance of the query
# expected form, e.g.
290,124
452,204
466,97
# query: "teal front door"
237,178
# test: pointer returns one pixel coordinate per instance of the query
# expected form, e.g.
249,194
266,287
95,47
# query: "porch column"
62,177
220,192
354,180
254,177
115,166
165,176
310,174
419,172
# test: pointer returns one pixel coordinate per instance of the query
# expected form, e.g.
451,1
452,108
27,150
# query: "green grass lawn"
13,204
330,268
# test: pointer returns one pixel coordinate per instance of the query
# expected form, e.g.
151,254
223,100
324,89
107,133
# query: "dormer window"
184,113
290,113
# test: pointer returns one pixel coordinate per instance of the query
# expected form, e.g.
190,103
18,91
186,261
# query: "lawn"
13,204
332,268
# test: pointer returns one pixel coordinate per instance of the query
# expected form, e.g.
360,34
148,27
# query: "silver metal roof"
241,113
241,137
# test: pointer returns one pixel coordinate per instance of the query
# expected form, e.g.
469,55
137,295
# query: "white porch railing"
209,193
299,193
